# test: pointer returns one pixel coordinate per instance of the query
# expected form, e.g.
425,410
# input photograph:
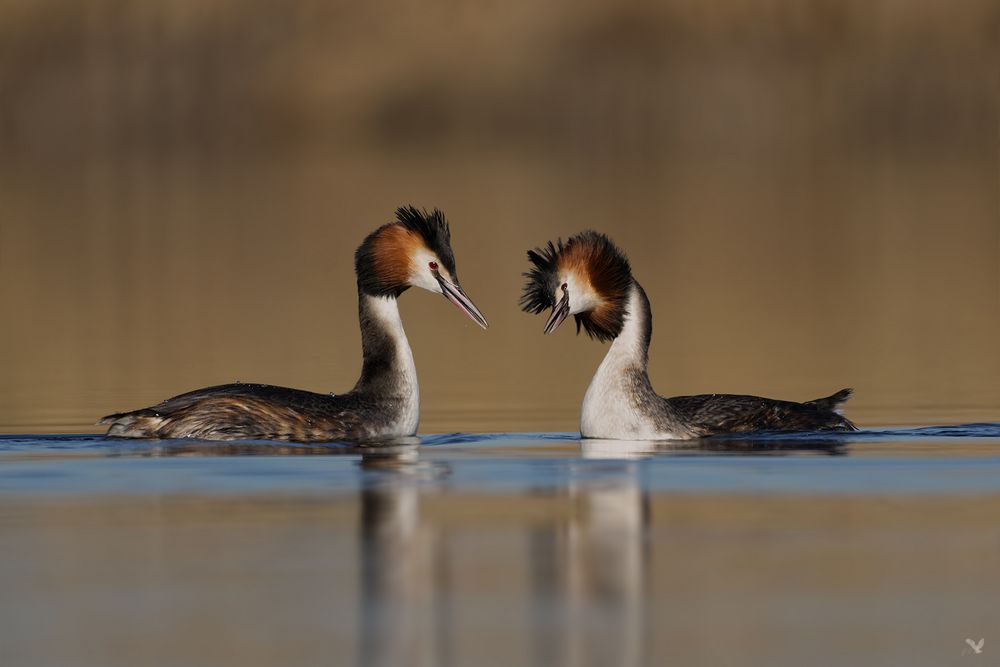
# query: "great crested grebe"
590,278
413,251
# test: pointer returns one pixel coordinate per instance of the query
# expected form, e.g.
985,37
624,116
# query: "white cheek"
582,296
420,272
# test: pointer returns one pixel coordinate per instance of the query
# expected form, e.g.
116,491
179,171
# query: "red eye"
433,265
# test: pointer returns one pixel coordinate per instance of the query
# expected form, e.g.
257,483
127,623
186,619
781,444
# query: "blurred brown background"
809,192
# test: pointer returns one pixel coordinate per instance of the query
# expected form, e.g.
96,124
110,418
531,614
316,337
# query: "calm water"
876,547
943,459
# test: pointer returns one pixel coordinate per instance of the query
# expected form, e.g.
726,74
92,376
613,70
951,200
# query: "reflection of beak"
455,294
559,313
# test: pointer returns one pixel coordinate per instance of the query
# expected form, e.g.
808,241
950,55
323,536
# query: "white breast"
406,418
610,406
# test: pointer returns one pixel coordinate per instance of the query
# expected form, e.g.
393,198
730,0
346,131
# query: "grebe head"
413,251
587,277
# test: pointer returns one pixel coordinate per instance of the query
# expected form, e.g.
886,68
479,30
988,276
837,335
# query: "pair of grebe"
587,277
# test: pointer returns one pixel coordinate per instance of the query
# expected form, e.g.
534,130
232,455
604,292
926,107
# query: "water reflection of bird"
412,251
590,278
403,580
736,444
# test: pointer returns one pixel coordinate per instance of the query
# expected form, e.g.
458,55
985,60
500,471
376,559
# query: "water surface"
519,548
940,459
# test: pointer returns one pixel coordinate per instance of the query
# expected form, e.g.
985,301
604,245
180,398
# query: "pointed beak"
559,313
454,293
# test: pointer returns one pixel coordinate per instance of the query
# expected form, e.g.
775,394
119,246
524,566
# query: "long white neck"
388,374
620,403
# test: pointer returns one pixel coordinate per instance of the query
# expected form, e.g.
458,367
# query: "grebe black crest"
590,278
412,251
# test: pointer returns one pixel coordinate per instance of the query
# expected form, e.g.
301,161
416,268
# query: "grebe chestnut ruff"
590,278
413,251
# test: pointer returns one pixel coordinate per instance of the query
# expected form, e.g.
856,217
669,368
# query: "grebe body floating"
413,251
589,278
